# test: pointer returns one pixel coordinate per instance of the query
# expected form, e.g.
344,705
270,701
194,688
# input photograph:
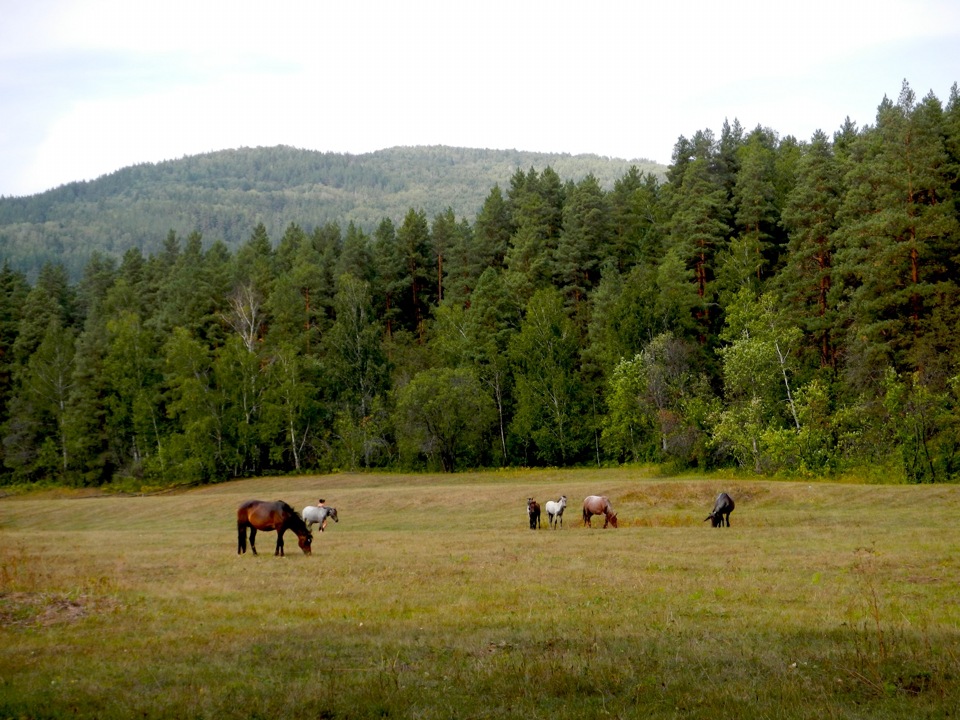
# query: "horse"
313,514
555,511
721,511
598,505
266,516
533,512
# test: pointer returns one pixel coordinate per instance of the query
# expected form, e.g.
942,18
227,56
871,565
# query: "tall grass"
431,598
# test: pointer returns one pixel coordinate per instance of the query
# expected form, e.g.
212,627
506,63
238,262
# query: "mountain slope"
224,194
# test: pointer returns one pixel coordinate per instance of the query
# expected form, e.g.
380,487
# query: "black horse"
721,511
265,515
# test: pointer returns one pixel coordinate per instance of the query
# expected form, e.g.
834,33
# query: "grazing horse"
313,514
555,511
598,505
533,511
265,515
721,511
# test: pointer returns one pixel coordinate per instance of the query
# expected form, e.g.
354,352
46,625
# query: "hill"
225,194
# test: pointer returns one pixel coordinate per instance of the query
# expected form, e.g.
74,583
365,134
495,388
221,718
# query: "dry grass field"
431,598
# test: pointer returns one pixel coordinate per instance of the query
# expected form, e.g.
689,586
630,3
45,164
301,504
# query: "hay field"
431,598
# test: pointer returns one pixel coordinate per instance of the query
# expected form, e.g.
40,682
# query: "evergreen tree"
50,299
751,253
638,219
492,231
14,289
443,238
390,287
35,437
254,263
413,241
698,228
355,256
582,247
466,263
898,256
537,211
810,217
300,294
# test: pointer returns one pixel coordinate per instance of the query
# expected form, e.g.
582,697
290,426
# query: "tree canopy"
771,304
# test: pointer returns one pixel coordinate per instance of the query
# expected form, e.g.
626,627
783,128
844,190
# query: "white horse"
313,514
555,510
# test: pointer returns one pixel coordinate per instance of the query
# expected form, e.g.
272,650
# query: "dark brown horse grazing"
598,505
264,515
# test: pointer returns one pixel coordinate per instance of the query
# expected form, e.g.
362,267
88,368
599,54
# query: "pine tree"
638,219
698,228
390,286
748,259
14,289
810,218
492,231
899,226
299,295
356,257
443,238
582,246
413,241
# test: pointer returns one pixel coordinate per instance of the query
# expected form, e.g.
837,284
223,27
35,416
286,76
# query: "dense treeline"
777,305
224,194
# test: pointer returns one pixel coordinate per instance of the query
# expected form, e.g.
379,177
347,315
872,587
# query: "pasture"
432,598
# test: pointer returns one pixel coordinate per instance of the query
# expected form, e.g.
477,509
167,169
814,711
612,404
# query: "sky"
88,87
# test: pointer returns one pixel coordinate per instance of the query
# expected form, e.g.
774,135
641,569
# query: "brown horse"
598,505
533,512
264,515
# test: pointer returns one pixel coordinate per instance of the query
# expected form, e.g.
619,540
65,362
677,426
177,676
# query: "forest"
225,194
773,305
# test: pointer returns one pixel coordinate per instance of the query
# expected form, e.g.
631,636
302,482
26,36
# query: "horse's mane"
296,520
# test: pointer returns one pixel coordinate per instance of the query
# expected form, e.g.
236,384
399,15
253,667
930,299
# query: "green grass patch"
431,598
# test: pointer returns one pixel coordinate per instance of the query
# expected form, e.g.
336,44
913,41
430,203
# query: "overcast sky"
90,86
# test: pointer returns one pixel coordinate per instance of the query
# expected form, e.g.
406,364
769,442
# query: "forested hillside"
224,194
772,304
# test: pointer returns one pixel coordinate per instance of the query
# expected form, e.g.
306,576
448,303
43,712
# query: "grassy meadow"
431,598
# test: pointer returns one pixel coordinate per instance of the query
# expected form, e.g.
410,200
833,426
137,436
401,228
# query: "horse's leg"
241,539
253,537
279,550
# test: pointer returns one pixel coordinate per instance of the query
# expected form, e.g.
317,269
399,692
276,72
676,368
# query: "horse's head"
333,514
306,542
612,519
